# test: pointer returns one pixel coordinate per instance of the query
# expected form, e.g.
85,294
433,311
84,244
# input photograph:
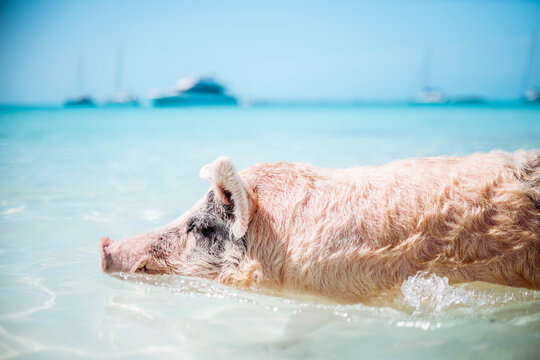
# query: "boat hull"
77,103
180,100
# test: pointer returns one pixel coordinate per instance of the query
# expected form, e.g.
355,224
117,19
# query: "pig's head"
207,238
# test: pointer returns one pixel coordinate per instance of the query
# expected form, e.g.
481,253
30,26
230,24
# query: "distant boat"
82,100
203,91
532,94
468,100
428,94
120,97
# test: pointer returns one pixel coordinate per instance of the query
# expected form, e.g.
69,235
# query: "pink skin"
130,255
116,259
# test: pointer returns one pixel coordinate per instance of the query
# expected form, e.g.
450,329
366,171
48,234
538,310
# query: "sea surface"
70,176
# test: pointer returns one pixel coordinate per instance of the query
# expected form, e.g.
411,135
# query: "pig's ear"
230,189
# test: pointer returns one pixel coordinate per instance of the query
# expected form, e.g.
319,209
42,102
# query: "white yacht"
532,96
122,98
430,95
195,91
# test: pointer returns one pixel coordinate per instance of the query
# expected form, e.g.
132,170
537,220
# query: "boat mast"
119,65
80,75
425,68
532,62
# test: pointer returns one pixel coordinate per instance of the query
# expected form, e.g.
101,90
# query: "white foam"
430,294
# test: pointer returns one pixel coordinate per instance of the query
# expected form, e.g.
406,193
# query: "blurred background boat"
121,97
82,100
195,91
468,100
532,94
428,94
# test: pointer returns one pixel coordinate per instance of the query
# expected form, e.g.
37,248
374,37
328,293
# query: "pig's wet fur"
528,175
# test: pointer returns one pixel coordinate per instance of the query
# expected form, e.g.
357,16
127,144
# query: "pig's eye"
200,227
203,230
207,231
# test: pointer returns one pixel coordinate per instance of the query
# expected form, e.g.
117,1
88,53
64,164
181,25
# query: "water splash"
429,294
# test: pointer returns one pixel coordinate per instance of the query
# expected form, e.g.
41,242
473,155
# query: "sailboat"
532,94
82,100
428,94
120,97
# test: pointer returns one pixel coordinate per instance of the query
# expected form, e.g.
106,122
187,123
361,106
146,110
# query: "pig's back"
368,228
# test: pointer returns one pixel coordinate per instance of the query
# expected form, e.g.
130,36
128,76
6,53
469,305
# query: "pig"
350,235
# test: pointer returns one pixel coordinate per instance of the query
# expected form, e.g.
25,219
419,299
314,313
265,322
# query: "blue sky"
302,50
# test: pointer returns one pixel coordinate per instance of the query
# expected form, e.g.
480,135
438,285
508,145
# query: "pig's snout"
128,255
107,261
104,243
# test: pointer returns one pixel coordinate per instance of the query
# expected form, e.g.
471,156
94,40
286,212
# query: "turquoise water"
68,177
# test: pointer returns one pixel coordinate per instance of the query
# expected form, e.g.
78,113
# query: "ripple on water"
37,297
13,210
